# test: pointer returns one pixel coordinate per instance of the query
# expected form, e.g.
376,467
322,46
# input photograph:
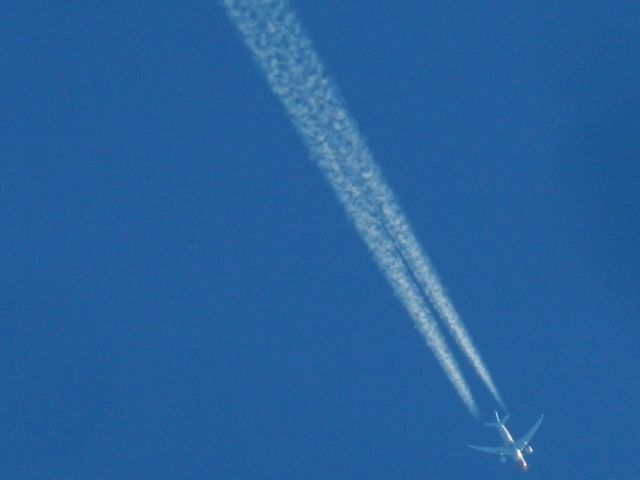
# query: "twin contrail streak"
396,222
296,75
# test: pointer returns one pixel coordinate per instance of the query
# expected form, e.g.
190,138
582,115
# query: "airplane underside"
514,449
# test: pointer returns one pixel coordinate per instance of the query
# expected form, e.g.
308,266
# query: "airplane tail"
499,422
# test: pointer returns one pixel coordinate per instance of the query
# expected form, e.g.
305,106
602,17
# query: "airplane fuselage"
518,457
516,453
506,436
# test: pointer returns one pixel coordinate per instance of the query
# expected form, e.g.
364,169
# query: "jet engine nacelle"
502,459
528,449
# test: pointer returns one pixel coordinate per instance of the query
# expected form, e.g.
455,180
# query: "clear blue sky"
183,297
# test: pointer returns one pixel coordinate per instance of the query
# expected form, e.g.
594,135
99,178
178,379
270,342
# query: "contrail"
369,175
297,76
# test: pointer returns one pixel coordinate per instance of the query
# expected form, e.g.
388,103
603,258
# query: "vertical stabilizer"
498,421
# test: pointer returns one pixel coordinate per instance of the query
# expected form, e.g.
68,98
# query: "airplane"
515,449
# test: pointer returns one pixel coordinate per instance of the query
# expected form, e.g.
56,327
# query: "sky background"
183,297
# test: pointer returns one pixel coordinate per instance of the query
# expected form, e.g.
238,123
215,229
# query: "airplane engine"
528,449
502,459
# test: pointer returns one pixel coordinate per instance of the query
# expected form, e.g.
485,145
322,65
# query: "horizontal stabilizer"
489,424
498,421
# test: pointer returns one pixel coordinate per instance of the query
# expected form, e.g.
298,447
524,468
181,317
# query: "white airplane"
514,449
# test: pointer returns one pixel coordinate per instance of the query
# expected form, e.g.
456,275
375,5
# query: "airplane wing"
524,441
495,450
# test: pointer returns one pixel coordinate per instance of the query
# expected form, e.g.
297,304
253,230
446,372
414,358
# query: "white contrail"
297,77
368,173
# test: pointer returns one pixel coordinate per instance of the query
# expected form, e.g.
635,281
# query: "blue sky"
183,296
